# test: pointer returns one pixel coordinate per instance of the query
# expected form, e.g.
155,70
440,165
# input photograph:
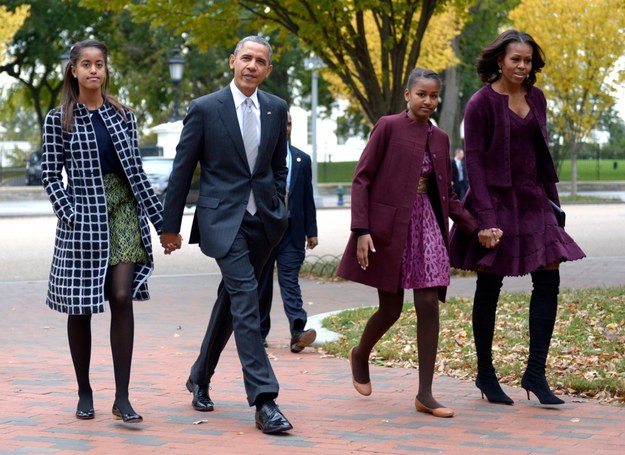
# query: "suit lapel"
266,121
296,163
228,114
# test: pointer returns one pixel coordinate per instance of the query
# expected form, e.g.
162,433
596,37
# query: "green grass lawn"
587,170
587,355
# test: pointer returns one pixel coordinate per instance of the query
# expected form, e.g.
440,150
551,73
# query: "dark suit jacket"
302,213
212,137
460,186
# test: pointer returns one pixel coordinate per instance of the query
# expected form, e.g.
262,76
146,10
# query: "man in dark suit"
290,252
459,174
238,135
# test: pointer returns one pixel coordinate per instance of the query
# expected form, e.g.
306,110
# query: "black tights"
390,307
119,291
79,336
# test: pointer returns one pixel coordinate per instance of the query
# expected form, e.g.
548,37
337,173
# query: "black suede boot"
543,308
487,291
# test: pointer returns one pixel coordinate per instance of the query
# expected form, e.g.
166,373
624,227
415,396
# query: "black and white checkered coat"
81,249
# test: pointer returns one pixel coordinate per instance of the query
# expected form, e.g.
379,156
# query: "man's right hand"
170,241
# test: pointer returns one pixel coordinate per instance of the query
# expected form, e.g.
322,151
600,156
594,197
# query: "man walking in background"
459,174
291,251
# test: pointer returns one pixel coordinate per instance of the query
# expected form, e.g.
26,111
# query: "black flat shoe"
491,388
84,408
85,414
201,399
127,418
270,420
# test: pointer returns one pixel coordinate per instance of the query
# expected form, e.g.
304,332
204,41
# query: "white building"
328,147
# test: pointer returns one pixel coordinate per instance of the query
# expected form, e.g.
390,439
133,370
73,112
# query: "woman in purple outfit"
402,198
512,180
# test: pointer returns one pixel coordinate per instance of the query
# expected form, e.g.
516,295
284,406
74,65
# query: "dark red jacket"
384,189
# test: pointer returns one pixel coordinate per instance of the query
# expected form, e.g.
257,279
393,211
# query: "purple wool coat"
487,149
384,190
532,238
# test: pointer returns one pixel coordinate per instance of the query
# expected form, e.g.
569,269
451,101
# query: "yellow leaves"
581,43
10,22
110,5
437,53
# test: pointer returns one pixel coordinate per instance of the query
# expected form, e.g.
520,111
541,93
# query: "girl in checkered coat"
102,249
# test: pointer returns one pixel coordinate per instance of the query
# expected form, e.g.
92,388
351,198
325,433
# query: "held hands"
489,238
170,242
365,244
311,242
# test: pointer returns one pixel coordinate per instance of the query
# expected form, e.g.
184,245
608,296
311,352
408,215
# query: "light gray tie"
250,141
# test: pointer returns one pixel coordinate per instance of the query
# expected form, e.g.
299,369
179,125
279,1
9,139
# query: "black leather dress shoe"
300,340
270,420
201,400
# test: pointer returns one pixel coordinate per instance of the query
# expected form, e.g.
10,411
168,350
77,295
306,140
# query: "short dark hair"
255,39
487,66
422,73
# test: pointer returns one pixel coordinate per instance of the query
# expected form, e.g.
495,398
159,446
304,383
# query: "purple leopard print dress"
425,262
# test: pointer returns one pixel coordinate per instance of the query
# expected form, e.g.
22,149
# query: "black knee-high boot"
543,308
487,291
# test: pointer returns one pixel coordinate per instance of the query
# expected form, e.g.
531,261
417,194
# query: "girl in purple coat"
402,198
512,180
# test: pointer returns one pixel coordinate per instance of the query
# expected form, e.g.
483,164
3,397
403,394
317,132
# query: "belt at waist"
422,187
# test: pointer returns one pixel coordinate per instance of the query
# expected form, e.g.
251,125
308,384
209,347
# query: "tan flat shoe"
363,389
437,412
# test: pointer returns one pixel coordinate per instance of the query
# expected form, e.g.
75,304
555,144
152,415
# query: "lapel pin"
268,112
298,159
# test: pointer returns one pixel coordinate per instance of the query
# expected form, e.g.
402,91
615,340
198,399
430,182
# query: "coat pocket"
381,223
208,202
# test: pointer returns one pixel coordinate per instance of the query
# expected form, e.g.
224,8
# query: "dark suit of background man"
291,251
459,171
240,217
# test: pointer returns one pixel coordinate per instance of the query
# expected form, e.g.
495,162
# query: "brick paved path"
38,397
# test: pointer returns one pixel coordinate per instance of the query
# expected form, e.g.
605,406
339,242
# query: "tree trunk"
450,112
574,149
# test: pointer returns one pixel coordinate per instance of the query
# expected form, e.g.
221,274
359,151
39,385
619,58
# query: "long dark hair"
488,68
71,90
